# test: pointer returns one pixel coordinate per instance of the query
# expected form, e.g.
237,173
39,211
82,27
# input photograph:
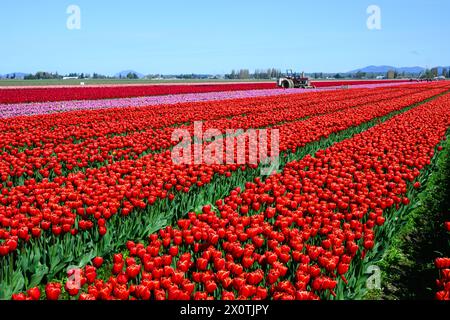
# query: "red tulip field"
16,95
93,205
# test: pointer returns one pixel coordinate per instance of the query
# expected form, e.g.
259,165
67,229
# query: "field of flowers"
93,206
20,95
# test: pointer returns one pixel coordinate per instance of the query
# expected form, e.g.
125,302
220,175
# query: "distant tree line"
238,74
434,72
99,76
42,75
270,73
267,74
130,75
187,76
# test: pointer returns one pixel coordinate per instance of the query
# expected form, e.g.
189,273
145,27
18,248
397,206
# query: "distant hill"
15,75
384,69
124,74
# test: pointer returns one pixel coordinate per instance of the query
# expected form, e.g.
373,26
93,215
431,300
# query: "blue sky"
215,36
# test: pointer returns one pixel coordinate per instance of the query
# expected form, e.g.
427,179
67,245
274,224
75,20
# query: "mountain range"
384,69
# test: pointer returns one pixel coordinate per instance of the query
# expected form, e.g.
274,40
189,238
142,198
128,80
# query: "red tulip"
53,291
173,251
117,267
12,244
97,262
4,250
19,297
202,264
34,293
133,271
117,258
210,286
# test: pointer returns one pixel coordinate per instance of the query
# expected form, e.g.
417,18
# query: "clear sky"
215,36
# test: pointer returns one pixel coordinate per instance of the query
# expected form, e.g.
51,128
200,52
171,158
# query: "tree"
132,75
360,75
274,73
338,76
244,74
434,72
426,74
390,74
445,72
232,75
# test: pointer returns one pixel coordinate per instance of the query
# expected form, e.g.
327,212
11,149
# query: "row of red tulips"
443,265
21,95
80,125
293,236
56,159
80,201
322,84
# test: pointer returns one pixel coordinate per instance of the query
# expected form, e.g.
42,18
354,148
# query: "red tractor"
294,80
